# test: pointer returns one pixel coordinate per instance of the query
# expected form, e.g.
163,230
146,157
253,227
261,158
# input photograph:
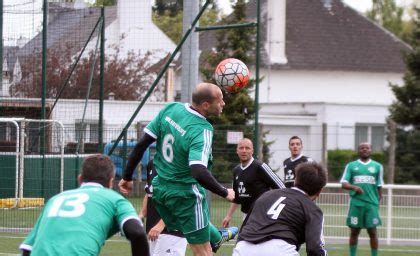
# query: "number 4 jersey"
184,137
77,222
286,214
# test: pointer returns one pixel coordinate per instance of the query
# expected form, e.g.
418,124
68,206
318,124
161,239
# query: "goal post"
29,180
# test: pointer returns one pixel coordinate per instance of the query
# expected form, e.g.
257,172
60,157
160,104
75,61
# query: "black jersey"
251,181
286,214
153,216
289,166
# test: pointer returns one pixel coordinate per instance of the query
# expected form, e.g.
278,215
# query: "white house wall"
116,115
133,30
305,120
327,86
342,119
279,136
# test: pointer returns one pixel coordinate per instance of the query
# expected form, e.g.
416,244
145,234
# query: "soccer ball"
232,74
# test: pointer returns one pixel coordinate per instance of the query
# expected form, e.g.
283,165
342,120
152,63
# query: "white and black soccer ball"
231,74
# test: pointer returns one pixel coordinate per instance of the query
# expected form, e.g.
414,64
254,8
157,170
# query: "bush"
337,160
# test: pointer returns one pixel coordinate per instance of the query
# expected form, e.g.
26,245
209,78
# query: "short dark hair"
203,95
98,168
295,137
311,177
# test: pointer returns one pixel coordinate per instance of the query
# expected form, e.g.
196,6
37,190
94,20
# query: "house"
128,27
326,71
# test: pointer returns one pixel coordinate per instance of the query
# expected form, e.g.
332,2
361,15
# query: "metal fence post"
389,217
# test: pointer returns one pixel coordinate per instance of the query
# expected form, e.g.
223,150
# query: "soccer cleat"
227,234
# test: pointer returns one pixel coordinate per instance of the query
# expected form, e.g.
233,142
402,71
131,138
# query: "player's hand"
231,195
125,186
358,190
155,231
225,222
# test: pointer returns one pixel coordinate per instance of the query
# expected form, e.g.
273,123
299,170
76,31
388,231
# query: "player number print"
167,149
69,206
276,208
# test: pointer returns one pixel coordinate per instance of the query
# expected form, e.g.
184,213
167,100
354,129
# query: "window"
374,134
86,131
7,131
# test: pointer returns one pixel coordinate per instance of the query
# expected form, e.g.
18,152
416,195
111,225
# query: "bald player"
183,159
251,178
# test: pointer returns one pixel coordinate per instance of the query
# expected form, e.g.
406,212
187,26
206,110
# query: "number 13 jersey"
184,137
89,215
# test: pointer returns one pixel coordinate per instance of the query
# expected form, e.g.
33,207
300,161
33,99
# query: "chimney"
79,4
111,96
276,31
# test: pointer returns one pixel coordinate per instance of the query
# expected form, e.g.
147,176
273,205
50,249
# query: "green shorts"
183,207
363,216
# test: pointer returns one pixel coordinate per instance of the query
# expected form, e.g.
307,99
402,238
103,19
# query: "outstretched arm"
206,179
136,155
126,184
135,233
231,211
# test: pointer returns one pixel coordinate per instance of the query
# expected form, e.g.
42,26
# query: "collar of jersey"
294,159
300,190
192,111
364,163
91,184
249,163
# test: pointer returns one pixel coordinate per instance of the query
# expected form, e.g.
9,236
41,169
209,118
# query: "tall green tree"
172,7
239,108
170,21
405,111
390,16
105,2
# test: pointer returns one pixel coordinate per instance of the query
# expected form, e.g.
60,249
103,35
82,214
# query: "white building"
323,63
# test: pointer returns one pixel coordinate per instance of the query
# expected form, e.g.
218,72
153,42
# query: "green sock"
215,235
374,252
353,250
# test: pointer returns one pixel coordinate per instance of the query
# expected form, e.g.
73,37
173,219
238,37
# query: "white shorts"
273,247
168,245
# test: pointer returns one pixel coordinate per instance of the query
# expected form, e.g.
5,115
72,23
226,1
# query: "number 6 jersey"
286,214
88,215
184,137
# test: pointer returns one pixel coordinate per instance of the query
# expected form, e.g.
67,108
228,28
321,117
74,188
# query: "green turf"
119,246
19,218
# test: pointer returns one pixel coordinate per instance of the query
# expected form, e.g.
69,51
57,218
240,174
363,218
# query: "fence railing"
399,211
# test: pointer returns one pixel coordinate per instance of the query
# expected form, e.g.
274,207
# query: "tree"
128,77
405,111
239,108
171,23
105,3
387,14
172,7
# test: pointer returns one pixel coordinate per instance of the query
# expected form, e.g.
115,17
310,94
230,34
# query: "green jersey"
368,176
183,137
77,222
